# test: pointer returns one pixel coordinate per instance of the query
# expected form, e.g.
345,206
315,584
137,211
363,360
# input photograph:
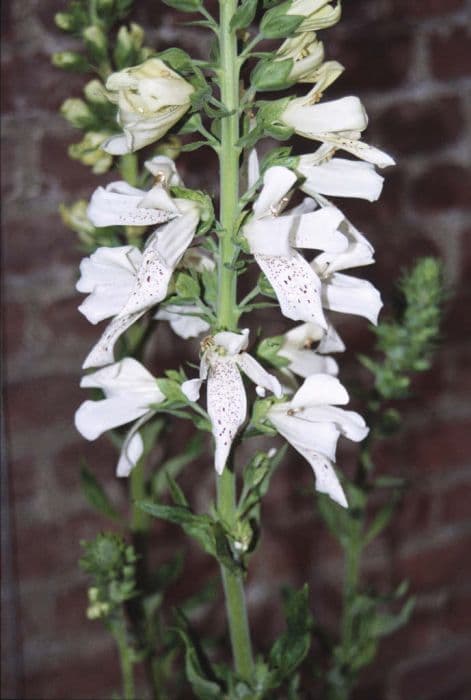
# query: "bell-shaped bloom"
184,320
319,14
338,123
313,120
307,54
161,255
312,423
223,358
151,98
350,295
130,394
108,277
305,348
339,177
119,204
344,293
274,239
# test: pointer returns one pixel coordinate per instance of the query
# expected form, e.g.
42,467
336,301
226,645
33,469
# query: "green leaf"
187,287
276,24
178,497
172,390
388,623
289,651
184,5
95,494
339,520
272,75
381,520
244,15
199,673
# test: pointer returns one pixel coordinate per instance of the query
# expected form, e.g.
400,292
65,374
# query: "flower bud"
307,54
70,60
96,43
77,113
319,14
89,152
151,98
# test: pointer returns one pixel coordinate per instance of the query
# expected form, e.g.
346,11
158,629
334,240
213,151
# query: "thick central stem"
227,310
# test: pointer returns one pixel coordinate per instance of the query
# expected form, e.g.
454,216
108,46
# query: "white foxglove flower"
119,204
161,255
108,276
151,98
307,54
319,14
315,120
339,177
338,123
130,392
350,295
304,360
273,240
184,320
164,170
223,358
312,423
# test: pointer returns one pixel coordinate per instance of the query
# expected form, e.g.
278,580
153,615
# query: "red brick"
359,52
32,241
420,127
100,456
443,186
23,478
451,53
59,549
439,676
60,170
424,8
14,327
42,403
455,503
437,565
439,446
457,614
91,674
23,91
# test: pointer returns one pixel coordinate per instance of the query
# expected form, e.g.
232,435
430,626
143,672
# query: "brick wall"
408,60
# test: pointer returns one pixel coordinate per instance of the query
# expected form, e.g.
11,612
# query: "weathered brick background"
409,61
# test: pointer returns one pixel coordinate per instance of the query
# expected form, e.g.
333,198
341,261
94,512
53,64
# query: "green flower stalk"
161,252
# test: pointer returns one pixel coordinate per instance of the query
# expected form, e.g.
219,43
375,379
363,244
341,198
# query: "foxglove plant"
157,252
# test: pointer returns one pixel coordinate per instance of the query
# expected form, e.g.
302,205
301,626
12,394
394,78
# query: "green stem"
233,586
229,156
139,519
125,659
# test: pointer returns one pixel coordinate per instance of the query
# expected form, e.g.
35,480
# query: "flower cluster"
124,282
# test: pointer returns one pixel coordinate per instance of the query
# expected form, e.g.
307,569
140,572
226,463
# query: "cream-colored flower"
151,98
307,54
319,14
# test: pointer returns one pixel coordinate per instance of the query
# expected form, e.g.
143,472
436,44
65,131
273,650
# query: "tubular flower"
184,320
130,392
319,14
119,204
306,52
312,423
160,257
151,98
222,359
339,177
297,347
273,240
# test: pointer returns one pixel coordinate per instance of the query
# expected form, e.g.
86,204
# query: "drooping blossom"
222,360
304,356
130,393
274,239
151,98
119,204
312,423
184,320
160,257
